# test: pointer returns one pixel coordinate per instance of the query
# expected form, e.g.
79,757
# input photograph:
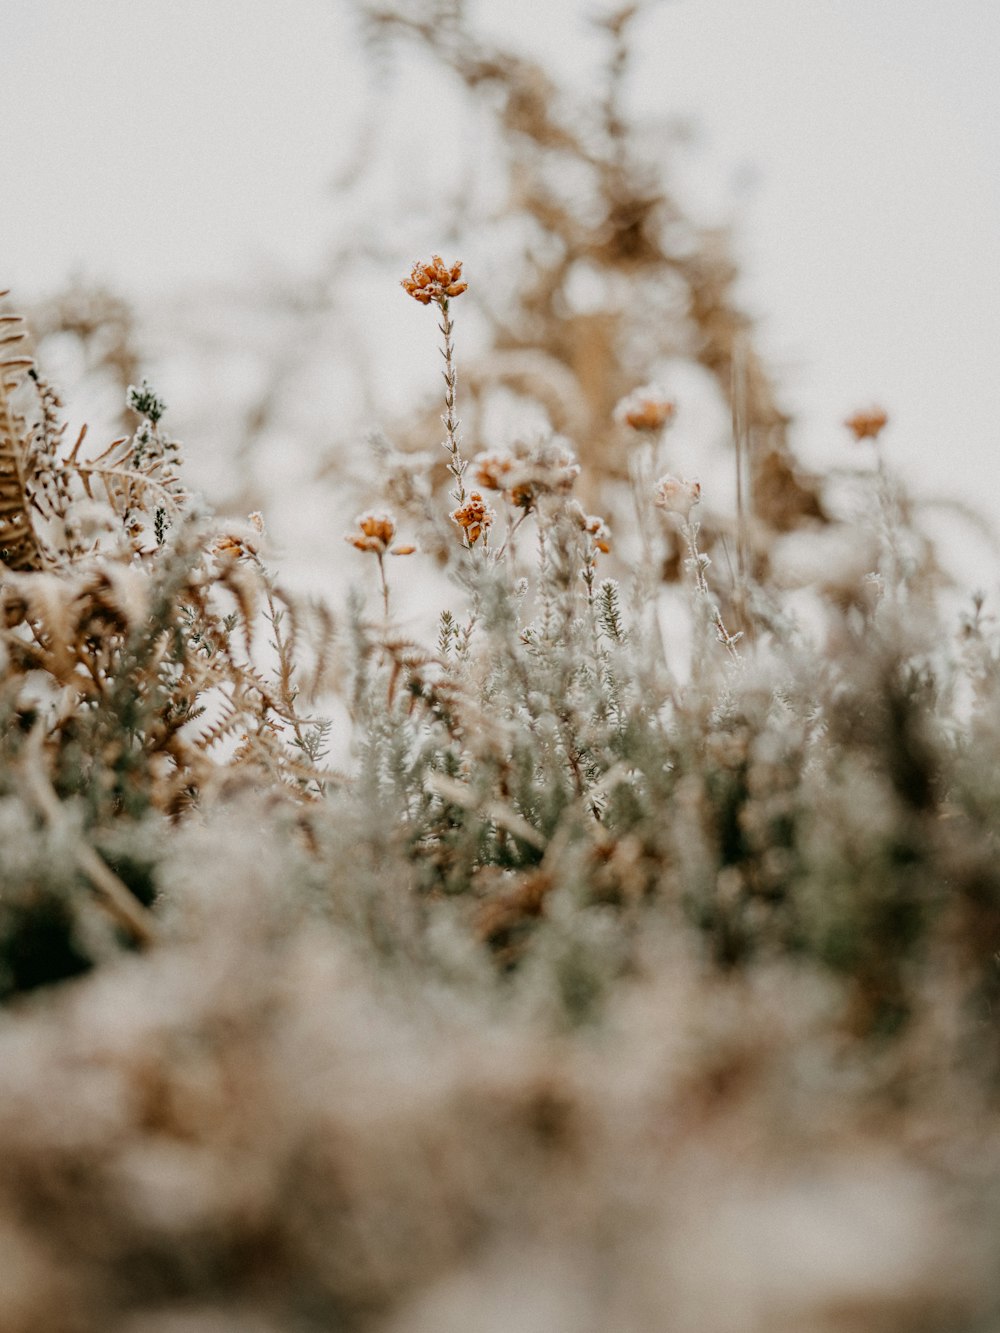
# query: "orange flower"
867,424
233,544
647,409
475,517
547,467
593,525
375,532
434,281
229,547
493,470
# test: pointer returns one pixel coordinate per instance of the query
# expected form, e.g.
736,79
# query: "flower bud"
676,495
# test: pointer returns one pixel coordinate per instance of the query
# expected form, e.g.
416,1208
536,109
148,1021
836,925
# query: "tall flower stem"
435,283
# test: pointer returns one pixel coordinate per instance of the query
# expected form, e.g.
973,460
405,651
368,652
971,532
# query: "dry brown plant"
666,283
130,672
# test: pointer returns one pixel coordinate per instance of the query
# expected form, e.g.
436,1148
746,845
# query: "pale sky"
855,143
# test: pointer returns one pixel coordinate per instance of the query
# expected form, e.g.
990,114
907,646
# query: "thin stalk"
690,533
894,582
511,529
742,442
385,585
456,464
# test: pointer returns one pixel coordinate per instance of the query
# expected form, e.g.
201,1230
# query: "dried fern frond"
131,616
102,325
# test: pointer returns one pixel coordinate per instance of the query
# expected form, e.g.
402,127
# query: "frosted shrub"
636,970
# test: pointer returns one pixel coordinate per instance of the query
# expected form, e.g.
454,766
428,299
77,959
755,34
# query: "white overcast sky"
856,143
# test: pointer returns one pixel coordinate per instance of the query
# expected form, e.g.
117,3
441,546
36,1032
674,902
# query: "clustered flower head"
493,469
232,544
434,281
528,471
867,424
593,525
646,409
375,533
474,517
676,495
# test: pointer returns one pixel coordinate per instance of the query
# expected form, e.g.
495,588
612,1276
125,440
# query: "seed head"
434,281
868,423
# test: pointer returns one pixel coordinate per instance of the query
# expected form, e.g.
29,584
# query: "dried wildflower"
434,281
676,495
527,471
237,542
375,533
493,469
867,424
475,517
593,525
228,546
646,409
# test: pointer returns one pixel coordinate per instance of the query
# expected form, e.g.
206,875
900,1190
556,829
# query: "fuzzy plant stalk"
681,497
284,647
456,465
893,580
434,283
699,563
868,424
512,526
648,414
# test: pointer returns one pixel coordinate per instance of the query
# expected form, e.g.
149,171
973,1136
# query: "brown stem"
385,585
